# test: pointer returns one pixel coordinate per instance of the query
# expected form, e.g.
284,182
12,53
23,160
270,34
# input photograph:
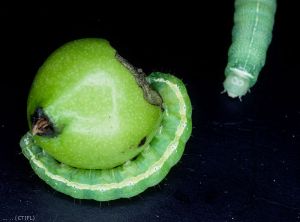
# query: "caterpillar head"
237,83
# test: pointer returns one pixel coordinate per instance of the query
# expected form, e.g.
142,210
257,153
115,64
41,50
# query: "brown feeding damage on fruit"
150,95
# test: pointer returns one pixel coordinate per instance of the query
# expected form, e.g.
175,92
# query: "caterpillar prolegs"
133,177
251,36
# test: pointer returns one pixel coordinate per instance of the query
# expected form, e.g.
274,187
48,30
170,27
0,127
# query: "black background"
242,162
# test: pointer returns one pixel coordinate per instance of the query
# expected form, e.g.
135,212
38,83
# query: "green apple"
88,108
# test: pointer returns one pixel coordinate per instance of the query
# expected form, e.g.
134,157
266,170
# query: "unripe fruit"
99,115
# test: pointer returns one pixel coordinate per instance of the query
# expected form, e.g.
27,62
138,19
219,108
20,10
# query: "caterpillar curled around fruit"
251,37
132,177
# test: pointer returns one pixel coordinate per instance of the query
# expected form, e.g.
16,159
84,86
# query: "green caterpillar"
132,177
251,36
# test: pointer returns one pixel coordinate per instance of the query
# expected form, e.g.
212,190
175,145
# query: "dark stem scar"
41,124
150,95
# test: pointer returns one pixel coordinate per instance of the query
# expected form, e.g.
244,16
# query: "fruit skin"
97,109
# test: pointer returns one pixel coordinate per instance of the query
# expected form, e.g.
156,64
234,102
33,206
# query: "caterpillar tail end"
237,83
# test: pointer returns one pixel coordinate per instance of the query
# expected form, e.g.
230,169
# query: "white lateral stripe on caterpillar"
253,32
132,180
